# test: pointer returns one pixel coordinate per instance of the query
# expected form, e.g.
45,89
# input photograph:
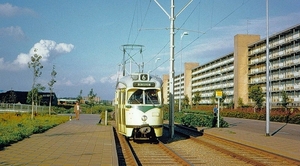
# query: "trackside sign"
219,94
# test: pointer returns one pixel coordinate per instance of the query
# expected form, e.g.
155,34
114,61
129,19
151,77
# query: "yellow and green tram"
138,102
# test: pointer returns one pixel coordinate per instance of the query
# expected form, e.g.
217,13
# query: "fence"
9,107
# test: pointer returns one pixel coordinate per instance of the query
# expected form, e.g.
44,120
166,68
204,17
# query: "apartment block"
235,72
284,65
183,82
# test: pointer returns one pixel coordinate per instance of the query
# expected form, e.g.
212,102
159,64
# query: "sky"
85,40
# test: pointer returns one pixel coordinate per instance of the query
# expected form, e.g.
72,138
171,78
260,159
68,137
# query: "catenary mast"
172,18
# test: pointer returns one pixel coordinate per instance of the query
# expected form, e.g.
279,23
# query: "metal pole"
123,65
218,112
156,65
105,122
181,36
267,74
171,73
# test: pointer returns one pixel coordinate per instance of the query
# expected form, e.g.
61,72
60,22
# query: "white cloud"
22,59
8,10
44,48
14,32
64,48
112,78
88,80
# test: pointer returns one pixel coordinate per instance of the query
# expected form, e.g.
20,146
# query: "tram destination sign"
143,84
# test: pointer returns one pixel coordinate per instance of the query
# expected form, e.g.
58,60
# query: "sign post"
219,95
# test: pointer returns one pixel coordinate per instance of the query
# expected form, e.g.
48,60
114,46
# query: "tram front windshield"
139,96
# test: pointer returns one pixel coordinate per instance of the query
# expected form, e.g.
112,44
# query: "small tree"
285,100
256,94
33,95
240,102
11,97
231,104
79,97
91,98
36,65
51,83
197,98
186,101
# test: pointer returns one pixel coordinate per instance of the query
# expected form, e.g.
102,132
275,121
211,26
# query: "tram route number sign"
219,94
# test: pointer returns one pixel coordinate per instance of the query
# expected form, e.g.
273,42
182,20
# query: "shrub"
276,115
193,118
15,127
200,120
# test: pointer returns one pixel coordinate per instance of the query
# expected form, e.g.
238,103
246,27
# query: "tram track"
242,152
148,153
157,154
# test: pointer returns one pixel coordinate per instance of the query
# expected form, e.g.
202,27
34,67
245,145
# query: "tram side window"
151,96
136,97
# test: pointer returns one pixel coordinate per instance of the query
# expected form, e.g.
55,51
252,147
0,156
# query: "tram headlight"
155,114
144,118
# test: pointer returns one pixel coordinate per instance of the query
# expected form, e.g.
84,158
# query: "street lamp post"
181,36
156,65
221,94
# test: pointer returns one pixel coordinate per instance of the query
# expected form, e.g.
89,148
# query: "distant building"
96,99
21,97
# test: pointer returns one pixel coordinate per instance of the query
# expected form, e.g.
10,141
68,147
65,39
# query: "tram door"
122,111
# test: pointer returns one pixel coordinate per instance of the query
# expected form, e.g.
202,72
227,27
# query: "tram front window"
151,96
136,97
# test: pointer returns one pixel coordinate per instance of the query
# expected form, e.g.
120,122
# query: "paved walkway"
77,142
252,132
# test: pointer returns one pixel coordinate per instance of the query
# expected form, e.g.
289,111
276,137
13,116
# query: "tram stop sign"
219,94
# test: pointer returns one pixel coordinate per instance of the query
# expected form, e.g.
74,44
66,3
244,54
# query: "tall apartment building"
284,58
246,66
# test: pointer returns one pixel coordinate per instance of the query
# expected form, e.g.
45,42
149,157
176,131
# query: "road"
290,131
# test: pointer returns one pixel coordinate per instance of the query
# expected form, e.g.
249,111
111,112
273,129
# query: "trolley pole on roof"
172,18
130,50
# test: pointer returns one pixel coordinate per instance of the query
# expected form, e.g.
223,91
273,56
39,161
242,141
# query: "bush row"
279,114
193,118
16,127
275,115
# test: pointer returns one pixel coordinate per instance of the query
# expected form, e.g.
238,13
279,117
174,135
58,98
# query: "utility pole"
181,36
267,74
172,18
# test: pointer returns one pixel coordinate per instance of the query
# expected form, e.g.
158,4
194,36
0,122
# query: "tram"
138,102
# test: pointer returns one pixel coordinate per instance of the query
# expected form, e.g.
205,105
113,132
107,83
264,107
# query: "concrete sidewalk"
77,142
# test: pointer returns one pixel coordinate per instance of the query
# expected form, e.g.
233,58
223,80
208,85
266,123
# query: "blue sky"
84,39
